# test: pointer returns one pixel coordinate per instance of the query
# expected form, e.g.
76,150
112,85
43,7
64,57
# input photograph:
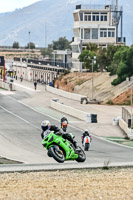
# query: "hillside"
47,20
81,83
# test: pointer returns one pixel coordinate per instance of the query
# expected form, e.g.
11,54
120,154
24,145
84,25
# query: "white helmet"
45,125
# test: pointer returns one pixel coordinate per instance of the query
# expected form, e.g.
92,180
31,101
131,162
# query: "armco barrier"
8,86
65,94
69,110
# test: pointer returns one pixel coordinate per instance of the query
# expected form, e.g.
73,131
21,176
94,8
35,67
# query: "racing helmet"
86,131
45,125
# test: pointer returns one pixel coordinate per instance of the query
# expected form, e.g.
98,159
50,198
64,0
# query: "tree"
30,45
47,52
61,44
105,57
102,58
111,50
15,45
86,57
92,47
125,64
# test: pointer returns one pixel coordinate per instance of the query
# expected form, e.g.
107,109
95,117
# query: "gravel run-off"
111,184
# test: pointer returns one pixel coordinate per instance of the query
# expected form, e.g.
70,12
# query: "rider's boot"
76,147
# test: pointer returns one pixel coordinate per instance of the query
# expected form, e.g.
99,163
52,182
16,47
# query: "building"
96,24
62,58
43,70
36,70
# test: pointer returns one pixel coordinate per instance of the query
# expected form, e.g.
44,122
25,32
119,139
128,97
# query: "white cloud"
10,5
72,1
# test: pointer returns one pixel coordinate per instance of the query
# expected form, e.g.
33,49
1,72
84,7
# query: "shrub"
110,102
116,81
80,81
66,72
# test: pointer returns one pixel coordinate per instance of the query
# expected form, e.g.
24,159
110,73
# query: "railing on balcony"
121,40
98,7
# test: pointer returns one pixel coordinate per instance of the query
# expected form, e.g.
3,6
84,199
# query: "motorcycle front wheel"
81,155
57,153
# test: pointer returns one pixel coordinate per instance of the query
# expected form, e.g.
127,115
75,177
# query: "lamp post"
93,62
131,98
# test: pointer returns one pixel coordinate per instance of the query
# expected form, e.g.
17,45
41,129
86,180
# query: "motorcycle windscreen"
46,133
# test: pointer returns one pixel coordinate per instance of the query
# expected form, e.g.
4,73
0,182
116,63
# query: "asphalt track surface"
20,140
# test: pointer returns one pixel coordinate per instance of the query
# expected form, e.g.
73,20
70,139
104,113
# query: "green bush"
65,82
110,102
80,81
66,72
116,81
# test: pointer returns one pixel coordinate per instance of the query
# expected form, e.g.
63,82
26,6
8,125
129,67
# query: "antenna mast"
45,35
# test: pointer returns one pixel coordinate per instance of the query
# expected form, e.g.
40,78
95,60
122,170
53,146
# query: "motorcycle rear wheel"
57,154
87,146
81,155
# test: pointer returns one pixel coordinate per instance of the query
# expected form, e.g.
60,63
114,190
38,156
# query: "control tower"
99,24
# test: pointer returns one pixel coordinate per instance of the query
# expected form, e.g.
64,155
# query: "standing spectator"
35,85
21,78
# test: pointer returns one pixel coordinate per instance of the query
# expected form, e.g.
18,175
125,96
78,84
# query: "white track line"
18,117
104,139
26,87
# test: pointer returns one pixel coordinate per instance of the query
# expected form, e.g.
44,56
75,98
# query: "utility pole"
4,72
29,40
131,104
45,35
92,80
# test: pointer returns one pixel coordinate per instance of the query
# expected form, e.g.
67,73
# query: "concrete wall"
8,86
69,110
65,94
124,126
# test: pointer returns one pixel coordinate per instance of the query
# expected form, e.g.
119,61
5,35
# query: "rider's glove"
59,133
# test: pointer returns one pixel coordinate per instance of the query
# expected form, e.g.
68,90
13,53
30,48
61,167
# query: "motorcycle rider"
47,128
64,123
86,133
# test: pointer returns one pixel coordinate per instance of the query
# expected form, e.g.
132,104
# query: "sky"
11,5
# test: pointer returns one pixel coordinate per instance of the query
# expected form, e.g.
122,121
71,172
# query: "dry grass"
113,184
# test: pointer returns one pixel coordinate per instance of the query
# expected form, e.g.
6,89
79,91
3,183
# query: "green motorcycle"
61,149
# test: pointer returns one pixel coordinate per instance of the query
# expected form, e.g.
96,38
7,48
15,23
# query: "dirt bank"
112,184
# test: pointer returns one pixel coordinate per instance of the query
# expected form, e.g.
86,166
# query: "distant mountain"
47,20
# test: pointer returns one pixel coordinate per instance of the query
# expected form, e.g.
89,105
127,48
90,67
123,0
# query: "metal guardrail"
121,39
98,7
